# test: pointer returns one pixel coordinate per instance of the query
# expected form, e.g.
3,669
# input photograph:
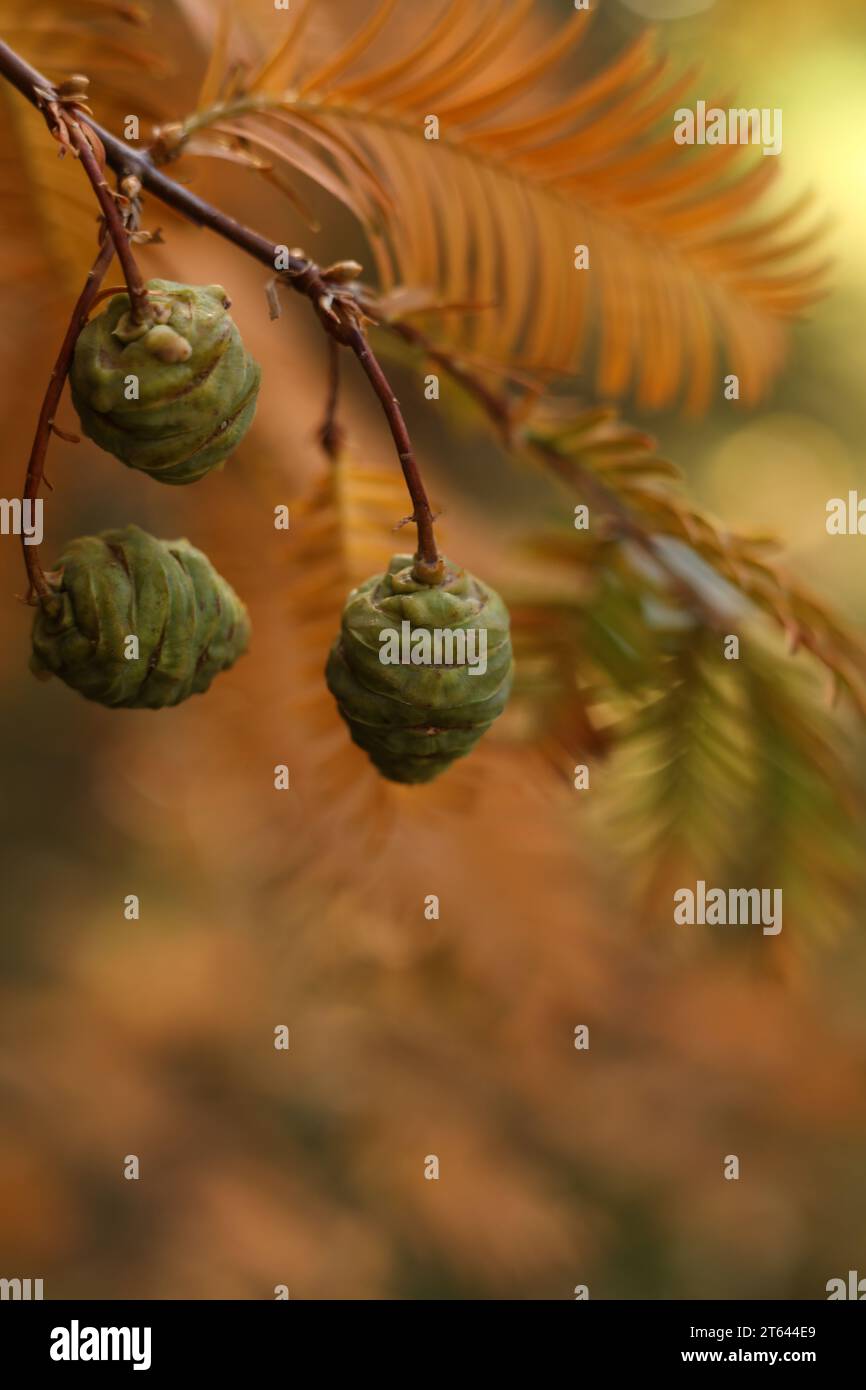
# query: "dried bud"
168,138
343,272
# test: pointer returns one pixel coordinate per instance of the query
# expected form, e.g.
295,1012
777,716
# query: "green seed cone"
197,385
414,720
189,622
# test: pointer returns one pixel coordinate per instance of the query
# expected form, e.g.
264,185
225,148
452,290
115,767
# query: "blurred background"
258,908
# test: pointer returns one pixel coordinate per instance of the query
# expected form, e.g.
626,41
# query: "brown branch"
330,431
337,311
138,299
36,464
65,110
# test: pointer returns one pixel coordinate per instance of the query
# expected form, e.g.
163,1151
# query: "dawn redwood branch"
337,312
45,425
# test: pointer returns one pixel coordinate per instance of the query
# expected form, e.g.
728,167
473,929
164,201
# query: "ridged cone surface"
189,622
414,720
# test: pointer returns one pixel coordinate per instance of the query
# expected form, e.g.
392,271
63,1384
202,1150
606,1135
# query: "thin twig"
66,113
138,298
36,464
429,566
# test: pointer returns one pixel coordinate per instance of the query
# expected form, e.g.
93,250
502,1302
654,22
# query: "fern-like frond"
730,771
635,498
530,162
733,774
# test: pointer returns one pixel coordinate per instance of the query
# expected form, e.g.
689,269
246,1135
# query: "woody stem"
428,563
